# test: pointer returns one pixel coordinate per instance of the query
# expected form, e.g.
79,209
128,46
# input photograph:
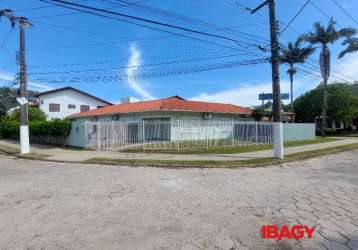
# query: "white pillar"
277,140
24,139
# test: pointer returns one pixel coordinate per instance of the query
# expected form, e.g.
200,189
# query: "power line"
140,19
346,12
203,51
5,38
190,20
43,7
161,73
73,29
137,66
109,42
155,28
295,16
319,10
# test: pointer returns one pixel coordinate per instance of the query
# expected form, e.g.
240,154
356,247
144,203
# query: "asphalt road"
74,206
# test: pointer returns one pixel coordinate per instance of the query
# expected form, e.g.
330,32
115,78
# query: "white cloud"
135,60
347,68
245,95
34,85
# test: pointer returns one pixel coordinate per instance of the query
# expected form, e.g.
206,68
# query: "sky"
112,58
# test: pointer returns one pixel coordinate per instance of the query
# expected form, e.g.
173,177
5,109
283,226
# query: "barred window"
84,108
54,107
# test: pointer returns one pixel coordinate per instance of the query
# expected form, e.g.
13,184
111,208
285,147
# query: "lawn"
233,149
259,162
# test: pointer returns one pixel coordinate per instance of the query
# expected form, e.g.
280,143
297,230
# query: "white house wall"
64,98
177,130
183,131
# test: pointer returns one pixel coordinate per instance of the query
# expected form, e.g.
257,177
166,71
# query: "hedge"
38,129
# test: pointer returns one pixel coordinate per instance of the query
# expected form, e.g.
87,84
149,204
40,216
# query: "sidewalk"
73,155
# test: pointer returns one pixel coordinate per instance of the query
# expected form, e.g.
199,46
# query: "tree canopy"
8,96
35,114
342,104
2,111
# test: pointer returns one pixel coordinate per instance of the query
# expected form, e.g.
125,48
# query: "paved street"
74,206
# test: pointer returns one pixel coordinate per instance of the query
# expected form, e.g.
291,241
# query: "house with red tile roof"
172,104
167,111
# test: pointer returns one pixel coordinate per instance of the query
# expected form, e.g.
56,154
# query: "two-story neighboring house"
63,102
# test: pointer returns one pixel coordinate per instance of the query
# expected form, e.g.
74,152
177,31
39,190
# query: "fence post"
143,135
232,131
256,131
113,147
178,134
98,136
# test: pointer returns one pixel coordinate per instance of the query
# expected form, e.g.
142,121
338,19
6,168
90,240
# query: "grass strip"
234,149
259,162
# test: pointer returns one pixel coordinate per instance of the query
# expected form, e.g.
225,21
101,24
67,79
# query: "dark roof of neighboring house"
175,103
71,88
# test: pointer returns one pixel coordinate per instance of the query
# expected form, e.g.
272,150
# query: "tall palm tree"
352,46
294,54
325,36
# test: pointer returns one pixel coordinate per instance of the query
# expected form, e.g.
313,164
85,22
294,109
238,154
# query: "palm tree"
294,54
352,46
325,36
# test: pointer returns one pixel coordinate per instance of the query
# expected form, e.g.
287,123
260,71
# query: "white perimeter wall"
64,98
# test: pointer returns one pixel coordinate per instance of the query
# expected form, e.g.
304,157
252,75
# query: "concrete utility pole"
276,91
23,23
24,128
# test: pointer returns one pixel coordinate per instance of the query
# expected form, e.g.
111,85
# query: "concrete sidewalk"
73,155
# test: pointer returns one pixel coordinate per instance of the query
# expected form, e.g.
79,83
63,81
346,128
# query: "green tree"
351,46
258,113
325,36
8,96
2,111
294,54
35,114
342,104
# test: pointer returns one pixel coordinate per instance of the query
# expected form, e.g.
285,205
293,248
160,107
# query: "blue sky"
83,43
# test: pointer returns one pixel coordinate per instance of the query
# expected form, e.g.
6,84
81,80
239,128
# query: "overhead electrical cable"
5,38
136,66
150,27
345,11
65,4
294,18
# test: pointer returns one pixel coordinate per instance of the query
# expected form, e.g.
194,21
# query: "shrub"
2,111
35,114
53,128
9,129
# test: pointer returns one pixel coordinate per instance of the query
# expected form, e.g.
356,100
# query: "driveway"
75,206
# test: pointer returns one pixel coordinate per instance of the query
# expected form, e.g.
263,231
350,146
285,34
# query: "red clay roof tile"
174,103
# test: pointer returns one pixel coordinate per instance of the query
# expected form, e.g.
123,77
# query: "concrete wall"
64,98
77,137
298,131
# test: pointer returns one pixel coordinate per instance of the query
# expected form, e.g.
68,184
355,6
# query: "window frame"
51,110
87,108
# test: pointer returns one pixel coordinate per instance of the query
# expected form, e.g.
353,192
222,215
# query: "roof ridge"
221,103
74,89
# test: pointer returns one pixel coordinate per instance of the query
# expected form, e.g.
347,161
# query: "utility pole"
24,128
276,91
23,23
